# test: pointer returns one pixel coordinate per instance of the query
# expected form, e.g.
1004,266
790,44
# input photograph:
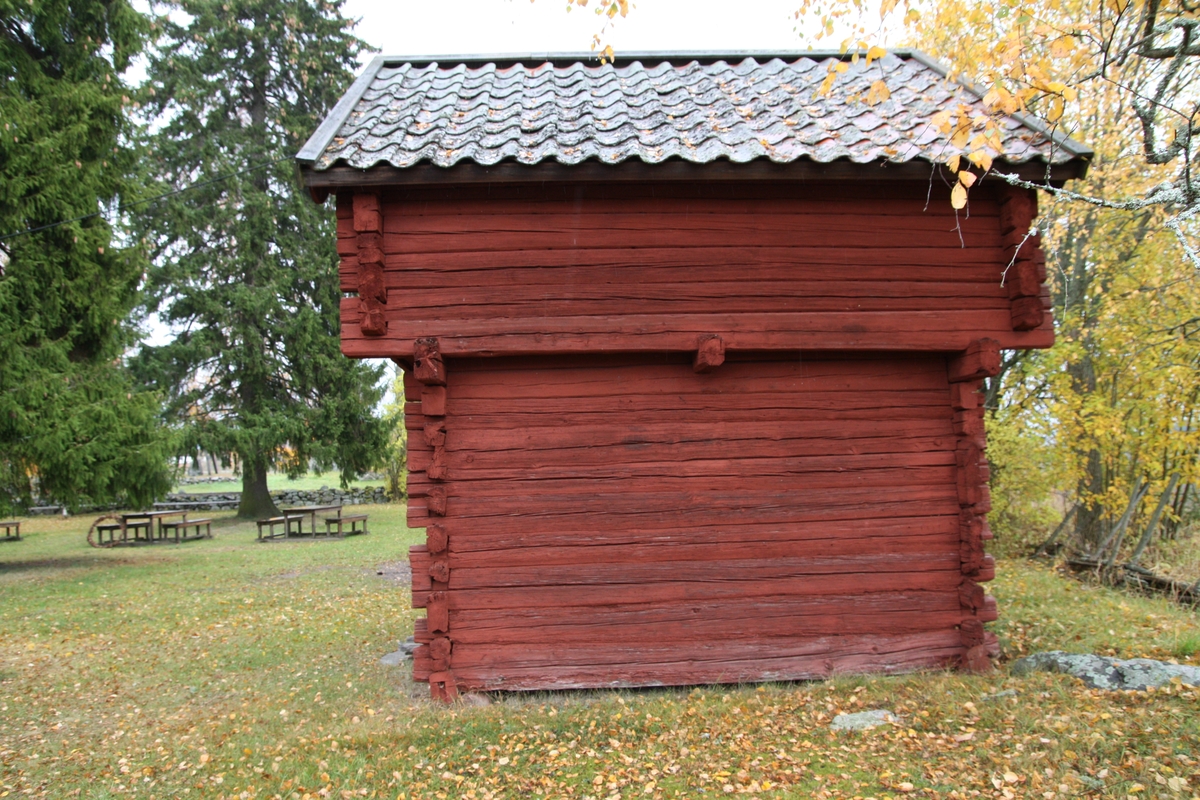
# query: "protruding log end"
367,216
1018,209
964,396
437,615
436,500
437,469
372,322
976,660
442,686
710,354
1027,313
433,401
974,639
435,434
981,359
428,367
436,539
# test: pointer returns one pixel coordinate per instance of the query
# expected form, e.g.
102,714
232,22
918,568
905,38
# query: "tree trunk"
256,498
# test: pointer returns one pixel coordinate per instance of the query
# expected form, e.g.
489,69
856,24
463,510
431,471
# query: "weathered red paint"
669,434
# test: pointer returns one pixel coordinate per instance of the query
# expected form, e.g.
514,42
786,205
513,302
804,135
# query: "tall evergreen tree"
246,266
72,422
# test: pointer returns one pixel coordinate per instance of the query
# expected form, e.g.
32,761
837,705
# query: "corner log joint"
372,292
1024,272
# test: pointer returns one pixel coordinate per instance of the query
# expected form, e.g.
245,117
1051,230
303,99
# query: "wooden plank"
569,552
699,505
469,537
659,592
940,272
806,487
699,519
529,235
487,303
635,451
735,222
499,468
880,331
659,434
737,378
732,615
750,197
703,572
683,630
621,652
558,286
516,667
544,415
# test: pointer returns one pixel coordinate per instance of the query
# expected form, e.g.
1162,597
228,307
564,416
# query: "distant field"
276,481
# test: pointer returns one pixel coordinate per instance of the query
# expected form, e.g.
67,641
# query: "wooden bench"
185,524
342,519
135,527
286,521
12,530
114,528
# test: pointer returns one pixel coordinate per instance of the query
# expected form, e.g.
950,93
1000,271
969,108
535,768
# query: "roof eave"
340,176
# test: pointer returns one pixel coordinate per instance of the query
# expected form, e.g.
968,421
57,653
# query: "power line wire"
156,198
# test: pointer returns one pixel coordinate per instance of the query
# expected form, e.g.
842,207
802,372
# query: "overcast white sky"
414,27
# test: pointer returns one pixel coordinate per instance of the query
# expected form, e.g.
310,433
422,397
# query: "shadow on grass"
69,562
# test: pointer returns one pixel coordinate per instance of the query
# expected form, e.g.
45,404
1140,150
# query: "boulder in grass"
1101,672
862,720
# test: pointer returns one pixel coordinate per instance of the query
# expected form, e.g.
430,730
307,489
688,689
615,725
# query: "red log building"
693,358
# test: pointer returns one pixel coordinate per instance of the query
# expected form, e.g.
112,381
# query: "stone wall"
285,497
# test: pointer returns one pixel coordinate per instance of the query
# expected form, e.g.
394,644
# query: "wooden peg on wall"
710,354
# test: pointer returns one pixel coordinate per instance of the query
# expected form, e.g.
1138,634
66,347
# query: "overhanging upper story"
515,205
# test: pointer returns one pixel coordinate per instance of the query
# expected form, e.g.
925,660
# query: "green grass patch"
232,669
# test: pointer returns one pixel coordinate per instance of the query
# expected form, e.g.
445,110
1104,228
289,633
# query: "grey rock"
395,659
1100,672
999,695
862,720
408,646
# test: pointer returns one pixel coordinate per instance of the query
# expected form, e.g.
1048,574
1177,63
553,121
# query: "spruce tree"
246,266
73,425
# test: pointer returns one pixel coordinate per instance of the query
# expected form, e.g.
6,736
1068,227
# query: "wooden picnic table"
311,512
143,525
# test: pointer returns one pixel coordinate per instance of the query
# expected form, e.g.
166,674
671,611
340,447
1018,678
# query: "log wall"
604,521
596,269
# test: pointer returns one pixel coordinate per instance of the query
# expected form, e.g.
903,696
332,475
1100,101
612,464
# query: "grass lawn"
231,669
277,482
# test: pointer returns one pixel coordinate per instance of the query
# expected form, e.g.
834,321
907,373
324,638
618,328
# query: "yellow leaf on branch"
958,196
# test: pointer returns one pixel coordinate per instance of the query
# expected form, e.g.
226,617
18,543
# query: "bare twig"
1062,526
1153,523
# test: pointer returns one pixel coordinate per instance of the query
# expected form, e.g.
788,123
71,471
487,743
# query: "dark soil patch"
398,572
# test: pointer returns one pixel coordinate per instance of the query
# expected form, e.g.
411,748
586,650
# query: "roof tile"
698,112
